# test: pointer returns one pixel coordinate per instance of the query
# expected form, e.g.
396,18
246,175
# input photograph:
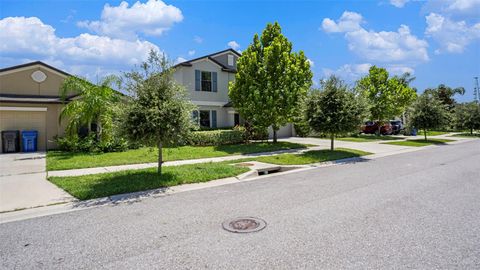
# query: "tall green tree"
94,104
334,109
271,80
160,111
387,96
428,113
467,116
446,95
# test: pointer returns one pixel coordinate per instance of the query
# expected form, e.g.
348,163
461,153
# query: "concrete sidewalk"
23,183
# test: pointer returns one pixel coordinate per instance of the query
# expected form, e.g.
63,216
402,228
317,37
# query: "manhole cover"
244,225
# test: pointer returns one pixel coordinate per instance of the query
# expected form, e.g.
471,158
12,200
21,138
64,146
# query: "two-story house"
206,79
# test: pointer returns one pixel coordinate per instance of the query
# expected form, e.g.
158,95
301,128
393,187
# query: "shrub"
90,144
302,129
216,137
255,133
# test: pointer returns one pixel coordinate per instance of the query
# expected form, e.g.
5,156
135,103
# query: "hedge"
216,137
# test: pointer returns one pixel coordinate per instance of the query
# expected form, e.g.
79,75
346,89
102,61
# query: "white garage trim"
24,109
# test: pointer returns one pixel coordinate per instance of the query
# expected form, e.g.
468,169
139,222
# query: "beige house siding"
19,82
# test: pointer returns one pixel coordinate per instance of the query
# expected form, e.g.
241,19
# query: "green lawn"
313,156
58,160
432,133
101,185
420,142
467,135
367,138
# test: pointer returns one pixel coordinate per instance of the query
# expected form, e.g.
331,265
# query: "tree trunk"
332,139
379,129
274,134
160,158
471,131
425,133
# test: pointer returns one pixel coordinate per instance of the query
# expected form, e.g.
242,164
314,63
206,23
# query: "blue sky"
439,41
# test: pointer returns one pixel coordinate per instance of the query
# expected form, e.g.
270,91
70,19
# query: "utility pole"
476,91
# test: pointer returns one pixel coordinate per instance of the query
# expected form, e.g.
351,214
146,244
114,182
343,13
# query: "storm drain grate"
244,225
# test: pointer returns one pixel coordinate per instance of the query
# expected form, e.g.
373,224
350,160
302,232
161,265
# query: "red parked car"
371,127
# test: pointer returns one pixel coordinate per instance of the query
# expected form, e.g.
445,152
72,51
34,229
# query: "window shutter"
214,119
214,81
197,80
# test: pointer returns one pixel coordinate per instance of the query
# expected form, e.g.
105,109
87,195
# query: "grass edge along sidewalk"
106,184
58,160
420,142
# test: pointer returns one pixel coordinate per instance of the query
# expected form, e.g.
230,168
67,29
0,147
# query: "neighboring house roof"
210,57
33,64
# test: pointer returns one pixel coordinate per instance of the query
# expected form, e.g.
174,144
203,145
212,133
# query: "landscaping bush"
216,137
302,129
255,133
90,144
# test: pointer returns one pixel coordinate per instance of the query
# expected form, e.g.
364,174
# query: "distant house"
29,100
206,78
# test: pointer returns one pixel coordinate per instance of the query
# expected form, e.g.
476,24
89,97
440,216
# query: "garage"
25,118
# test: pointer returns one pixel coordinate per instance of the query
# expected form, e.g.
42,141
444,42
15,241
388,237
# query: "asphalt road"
418,210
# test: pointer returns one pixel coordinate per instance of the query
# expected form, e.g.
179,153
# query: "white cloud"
151,18
349,21
399,3
352,72
462,5
85,54
233,44
179,60
349,72
310,61
198,39
399,47
451,36
191,53
456,9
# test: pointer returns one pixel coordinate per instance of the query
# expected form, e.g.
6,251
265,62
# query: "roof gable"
35,64
211,58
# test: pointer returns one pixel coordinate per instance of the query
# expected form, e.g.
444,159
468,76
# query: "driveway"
23,182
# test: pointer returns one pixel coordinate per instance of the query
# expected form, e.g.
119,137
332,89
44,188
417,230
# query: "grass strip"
59,160
420,142
106,184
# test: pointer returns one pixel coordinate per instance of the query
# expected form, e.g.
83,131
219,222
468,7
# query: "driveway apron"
24,184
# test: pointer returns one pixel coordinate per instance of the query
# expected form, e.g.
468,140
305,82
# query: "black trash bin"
10,141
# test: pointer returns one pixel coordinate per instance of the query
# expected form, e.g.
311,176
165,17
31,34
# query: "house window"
236,119
204,119
230,60
206,81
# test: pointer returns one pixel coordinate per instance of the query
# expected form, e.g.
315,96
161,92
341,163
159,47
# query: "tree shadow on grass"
97,186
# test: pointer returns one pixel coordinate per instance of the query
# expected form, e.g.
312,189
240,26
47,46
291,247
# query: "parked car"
371,127
397,126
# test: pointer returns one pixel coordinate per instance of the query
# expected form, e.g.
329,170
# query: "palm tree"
92,104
